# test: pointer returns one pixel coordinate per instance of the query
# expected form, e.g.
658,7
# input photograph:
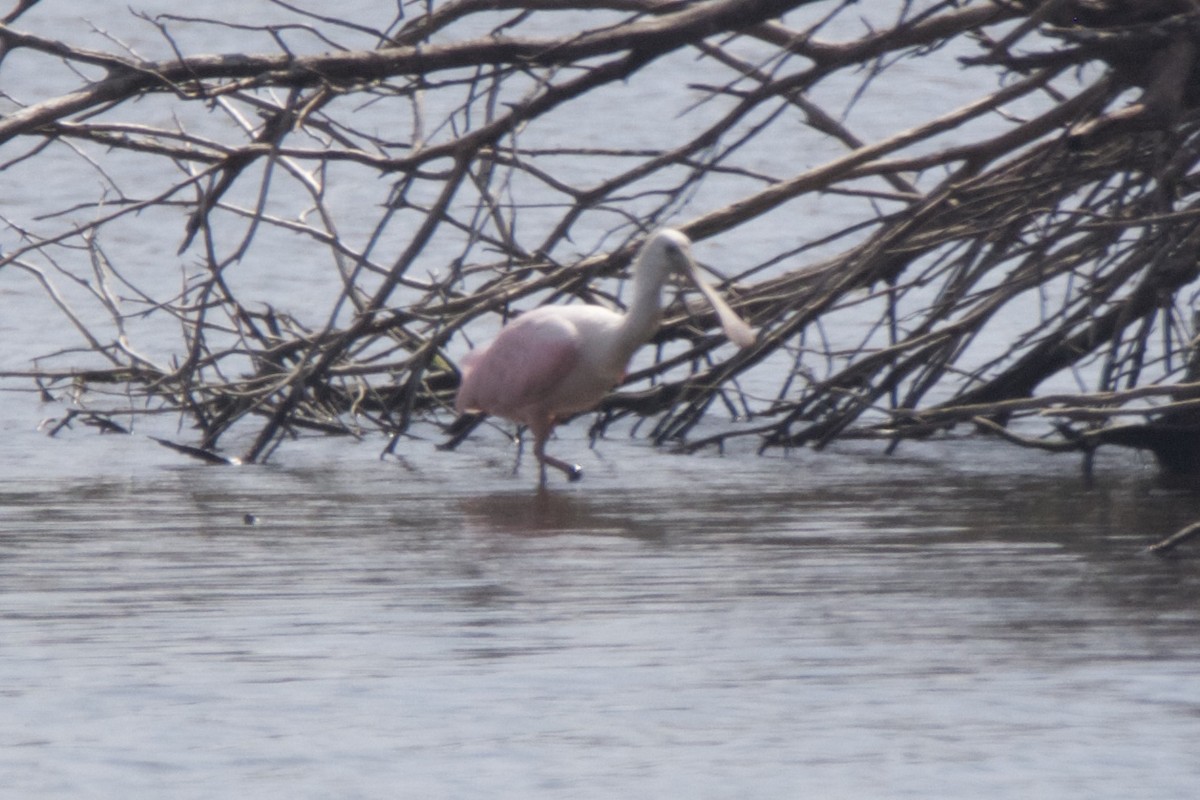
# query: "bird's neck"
642,318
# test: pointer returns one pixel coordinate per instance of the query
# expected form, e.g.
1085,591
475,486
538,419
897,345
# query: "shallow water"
832,625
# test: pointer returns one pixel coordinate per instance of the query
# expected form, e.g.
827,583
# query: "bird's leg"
520,439
573,471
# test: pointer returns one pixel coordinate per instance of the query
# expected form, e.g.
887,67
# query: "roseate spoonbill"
555,361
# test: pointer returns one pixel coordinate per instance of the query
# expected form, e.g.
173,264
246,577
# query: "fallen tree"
1021,260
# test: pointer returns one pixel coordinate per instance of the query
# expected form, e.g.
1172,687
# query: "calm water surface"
820,625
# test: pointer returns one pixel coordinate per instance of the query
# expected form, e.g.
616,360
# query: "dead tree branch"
307,235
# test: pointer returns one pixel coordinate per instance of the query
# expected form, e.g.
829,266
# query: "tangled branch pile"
958,211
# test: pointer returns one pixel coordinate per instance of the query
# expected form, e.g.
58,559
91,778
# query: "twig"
1174,540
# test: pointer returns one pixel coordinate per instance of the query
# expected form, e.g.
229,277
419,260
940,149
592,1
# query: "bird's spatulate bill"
734,326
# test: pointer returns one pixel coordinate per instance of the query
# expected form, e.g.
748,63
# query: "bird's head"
669,252
665,254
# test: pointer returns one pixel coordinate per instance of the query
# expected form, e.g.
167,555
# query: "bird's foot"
573,471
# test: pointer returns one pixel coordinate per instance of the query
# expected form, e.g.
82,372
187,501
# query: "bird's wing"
527,360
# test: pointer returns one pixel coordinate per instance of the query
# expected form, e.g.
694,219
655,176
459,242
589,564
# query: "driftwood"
1180,536
1034,280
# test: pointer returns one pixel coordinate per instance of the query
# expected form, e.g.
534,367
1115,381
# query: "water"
963,619
833,625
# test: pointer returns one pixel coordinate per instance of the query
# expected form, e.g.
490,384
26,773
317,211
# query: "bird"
558,360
